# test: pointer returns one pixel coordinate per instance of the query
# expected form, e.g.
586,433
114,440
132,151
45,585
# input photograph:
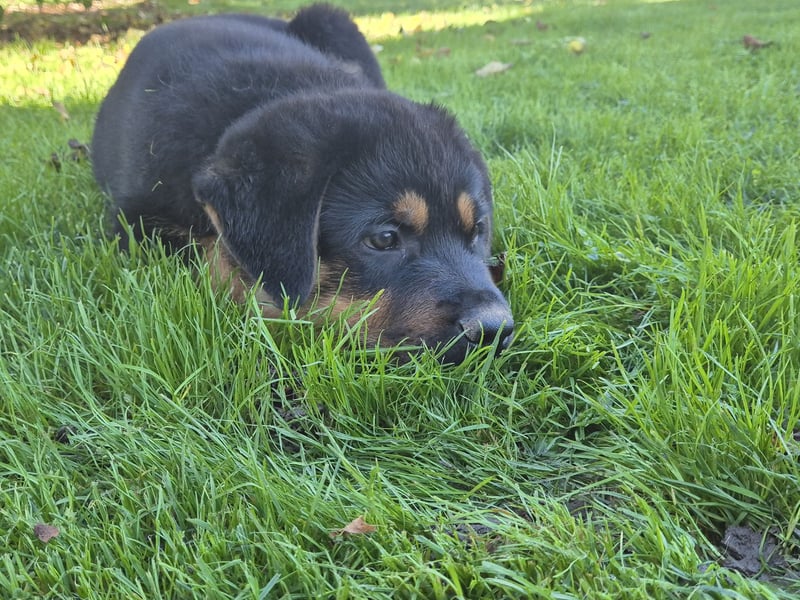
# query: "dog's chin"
461,348
452,352
456,352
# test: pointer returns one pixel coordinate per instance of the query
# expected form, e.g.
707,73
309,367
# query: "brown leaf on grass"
80,151
406,33
753,43
427,52
55,162
45,532
492,68
62,110
356,527
497,267
64,433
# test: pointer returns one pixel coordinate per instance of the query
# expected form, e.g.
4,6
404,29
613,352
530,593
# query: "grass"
647,195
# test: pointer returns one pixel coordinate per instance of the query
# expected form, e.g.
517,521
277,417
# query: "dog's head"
347,195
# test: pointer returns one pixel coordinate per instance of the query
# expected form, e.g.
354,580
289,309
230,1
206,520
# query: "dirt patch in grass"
755,554
750,552
77,23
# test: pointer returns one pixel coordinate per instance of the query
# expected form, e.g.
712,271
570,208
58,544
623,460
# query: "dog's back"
194,78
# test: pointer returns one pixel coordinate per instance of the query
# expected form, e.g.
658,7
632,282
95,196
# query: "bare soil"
76,23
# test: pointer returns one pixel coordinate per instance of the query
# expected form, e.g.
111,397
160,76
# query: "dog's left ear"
263,191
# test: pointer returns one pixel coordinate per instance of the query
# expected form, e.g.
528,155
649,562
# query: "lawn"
640,439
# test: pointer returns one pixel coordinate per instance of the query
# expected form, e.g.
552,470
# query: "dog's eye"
478,230
383,240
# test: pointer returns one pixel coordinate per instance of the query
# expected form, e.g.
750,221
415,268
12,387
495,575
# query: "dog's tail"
332,31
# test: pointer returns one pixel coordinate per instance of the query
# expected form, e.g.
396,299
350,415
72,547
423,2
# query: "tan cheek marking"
426,319
412,210
333,300
214,217
378,320
225,273
332,297
466,212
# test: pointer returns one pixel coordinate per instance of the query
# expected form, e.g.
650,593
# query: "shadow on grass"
107,21
75,23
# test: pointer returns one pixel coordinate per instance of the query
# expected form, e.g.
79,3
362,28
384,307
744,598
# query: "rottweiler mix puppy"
276,148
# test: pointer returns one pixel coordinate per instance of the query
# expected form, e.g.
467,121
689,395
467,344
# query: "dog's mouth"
459,348
454,350
487,326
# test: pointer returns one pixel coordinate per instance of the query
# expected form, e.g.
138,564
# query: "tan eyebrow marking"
412,210
466,211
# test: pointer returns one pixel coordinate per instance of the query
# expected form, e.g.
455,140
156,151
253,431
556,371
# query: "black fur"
281,139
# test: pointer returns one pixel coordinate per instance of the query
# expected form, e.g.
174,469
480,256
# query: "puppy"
277,149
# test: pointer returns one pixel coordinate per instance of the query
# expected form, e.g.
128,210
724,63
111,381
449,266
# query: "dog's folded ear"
263,190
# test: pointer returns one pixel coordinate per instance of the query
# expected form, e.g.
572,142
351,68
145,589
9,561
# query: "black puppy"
275,146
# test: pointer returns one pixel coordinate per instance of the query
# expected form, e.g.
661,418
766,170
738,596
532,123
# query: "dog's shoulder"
187,80
217,42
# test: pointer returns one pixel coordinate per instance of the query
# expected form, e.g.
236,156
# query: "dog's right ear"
263,190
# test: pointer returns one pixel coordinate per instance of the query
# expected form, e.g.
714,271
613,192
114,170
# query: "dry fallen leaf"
62,110
45,532
493,68
64,433
753,43
427,52
356,527
80,151
55,162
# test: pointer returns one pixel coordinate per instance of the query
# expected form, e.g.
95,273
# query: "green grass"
647,195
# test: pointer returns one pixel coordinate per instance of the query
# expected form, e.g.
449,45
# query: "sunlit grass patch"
389,25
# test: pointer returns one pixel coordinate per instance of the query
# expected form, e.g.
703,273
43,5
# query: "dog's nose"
484,326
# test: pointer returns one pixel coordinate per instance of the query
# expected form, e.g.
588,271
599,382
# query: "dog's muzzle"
484,325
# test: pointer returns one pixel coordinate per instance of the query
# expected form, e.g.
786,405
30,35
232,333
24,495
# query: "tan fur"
225,273
214,217
334,297
466,211
412,210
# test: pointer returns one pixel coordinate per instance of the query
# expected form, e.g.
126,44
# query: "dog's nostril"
484,330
